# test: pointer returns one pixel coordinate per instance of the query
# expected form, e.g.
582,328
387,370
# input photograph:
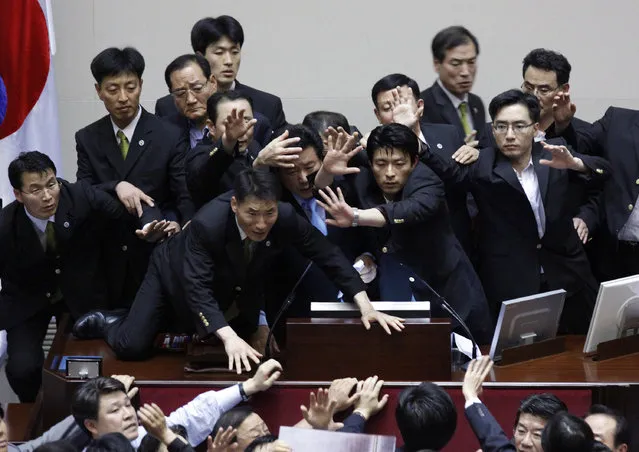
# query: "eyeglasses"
51,187
501,128
542,90
195,89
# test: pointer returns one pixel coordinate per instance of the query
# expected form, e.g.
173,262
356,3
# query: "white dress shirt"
530,184
456,101
40,226
128,130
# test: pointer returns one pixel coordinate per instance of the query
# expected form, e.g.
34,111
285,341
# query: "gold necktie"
51,242
124,144
463,109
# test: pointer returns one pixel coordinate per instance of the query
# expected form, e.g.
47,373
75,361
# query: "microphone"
287,302
420,283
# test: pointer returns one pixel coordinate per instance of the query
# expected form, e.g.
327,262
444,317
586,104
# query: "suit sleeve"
199,271
279,121
490,435
86,171
205,166
450,171
67,429
589,140
103,203
313,245
353,424
177,180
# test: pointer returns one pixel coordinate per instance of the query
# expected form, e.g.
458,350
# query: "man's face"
223,110
384,108
391,168
295,179
604,428
115,415
4,439
191,90
252,427
255,216
543,85
457,71
527,433
224,56
515,141
40,194
121,96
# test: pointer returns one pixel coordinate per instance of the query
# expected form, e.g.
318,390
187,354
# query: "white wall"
328,54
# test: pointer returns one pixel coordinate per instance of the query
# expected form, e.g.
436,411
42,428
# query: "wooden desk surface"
570,368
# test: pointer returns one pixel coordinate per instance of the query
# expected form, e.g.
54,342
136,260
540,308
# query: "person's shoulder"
620,113
475,99
254,92
439,129
159,125
428,92
101,124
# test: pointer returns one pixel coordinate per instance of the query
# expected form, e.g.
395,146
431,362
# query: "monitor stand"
529,349
616,348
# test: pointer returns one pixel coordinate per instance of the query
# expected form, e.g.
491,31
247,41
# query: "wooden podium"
319,349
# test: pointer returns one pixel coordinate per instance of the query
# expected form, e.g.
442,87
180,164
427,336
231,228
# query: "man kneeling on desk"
217,267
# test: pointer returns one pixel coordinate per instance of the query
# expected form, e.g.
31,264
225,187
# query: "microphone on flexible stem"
419,283
287,302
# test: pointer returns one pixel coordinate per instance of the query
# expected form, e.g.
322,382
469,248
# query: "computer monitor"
526,320
616,312
405,309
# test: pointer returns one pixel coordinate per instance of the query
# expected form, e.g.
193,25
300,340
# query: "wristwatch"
355,222
245,398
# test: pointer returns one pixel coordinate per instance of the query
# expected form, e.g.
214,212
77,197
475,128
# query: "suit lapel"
28,240
635,136
504,169
234,247
543,171
476,111
446,107
64,219
110,147
140,141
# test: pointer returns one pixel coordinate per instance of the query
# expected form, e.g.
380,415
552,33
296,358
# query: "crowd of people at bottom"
104,418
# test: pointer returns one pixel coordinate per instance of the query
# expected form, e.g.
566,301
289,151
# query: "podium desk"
576,379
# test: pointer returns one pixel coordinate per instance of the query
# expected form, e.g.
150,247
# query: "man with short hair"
449,100
426,418
220,41
609,427
136,156
526,226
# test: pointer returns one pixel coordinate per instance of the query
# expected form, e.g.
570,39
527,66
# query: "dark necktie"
52,246
249,248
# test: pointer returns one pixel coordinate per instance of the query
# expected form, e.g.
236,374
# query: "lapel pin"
268,243
475,110
141,142
439,146
66,224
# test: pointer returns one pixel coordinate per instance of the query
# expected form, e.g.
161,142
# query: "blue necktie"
310,207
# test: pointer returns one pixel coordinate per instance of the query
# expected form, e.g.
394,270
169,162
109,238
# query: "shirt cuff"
470,402
262,319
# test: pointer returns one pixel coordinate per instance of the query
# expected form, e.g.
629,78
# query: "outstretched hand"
562,158
563,110
335,205
235,126
384,320
339,150
405,109
320,412
478,370
281,152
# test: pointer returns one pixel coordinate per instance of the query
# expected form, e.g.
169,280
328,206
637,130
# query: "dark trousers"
24,347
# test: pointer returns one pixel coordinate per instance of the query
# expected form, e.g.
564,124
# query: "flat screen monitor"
616,312
526,320
405,309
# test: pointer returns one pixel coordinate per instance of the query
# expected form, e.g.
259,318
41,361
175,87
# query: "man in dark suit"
404,106
136,156
191,83
531,418
401,203
449,100
220,41
217,267
526,227
49,260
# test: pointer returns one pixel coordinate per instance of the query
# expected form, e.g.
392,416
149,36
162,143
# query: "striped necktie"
463,110
124,144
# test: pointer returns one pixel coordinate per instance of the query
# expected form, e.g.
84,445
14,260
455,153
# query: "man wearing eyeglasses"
527,242
49,260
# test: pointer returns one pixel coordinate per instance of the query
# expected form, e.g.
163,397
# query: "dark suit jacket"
30,276
267,104
217,280
210,171
165,108
490,435
438,109
509,243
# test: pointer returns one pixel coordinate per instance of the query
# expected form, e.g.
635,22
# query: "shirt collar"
454,99
39,223
528,167
541,136
422,137
128,130
232,86
242,233
301,200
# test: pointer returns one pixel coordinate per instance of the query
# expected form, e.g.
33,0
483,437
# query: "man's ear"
97,90
213,82
210,126
141,81
18,194
377,115
234,204
420,104
91,426
565,87
536,127
437,65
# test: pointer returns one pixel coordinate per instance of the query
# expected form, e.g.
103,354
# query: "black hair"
111,442
426,417
114,61
261,184
183,61
449,38
264,439
232,418
151,444
57,446
599,447
549,60
543,406
308,137
211,29
566,432
514,97
322,120
85,402
29,162
622,431
393,81
220,97
393,135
